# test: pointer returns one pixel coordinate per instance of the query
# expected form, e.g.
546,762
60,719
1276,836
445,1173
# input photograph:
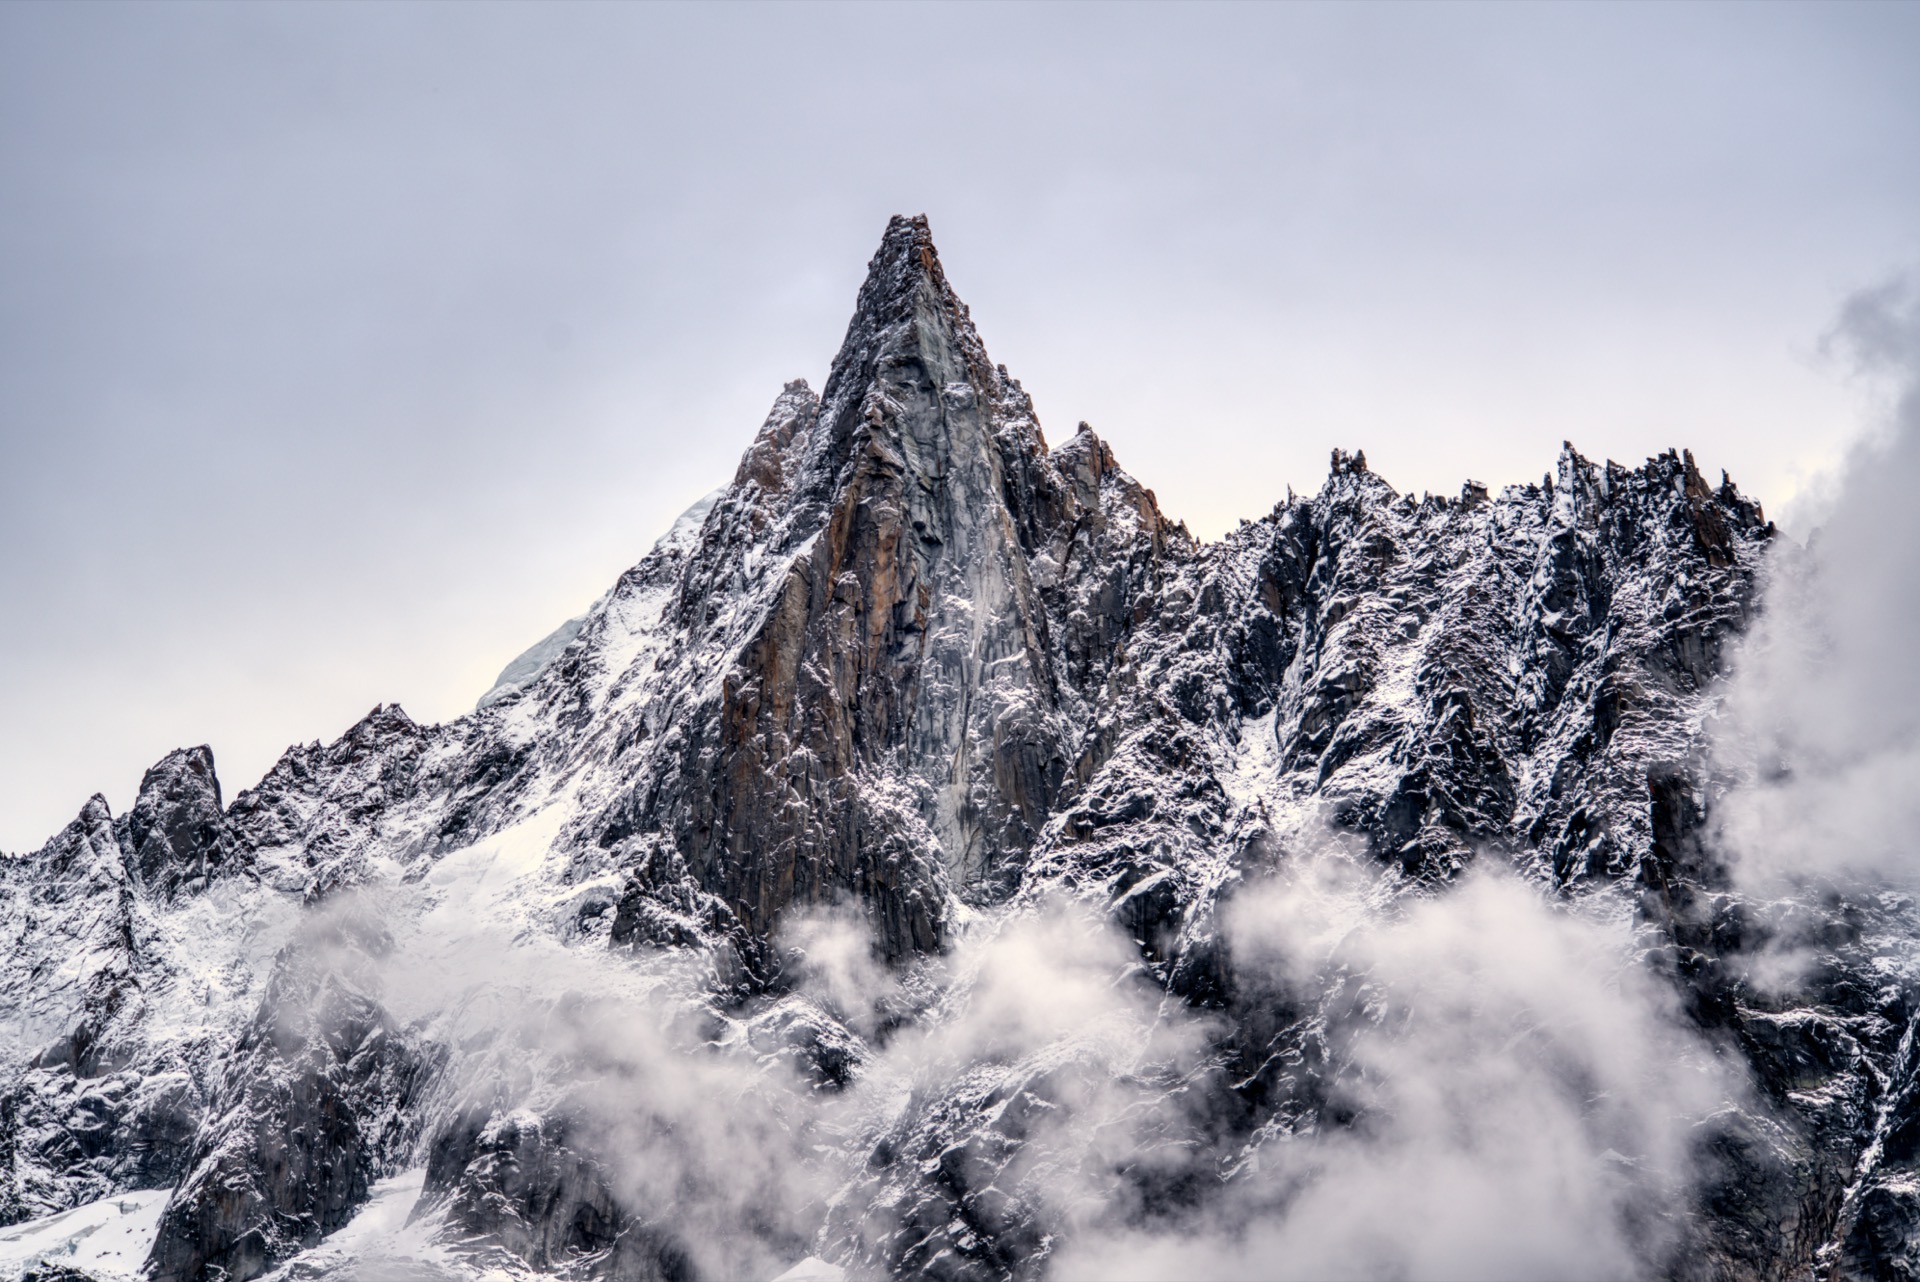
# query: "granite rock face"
895,719
917,669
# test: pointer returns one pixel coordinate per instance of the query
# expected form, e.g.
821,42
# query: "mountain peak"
910,235
904,301
906,250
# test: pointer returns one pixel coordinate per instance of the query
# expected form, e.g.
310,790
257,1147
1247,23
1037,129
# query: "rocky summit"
931,860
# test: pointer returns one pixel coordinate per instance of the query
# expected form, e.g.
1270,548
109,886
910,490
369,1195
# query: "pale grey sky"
345,349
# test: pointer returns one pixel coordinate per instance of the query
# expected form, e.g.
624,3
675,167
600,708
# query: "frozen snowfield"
108,1238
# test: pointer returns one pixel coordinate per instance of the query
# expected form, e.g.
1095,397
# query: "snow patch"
537,658
380,1243
1254,768
532,662
108,1239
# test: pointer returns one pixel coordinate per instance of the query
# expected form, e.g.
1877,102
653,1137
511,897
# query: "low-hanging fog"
1490,1084
1822,719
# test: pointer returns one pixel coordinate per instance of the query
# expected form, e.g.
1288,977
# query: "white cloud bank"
1822,718
1521,1095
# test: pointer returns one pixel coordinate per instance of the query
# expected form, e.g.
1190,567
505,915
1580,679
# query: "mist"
1820,726
1493,1086
742,1134
1484,1081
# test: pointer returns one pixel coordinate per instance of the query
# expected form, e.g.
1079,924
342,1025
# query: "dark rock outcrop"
529,1187
176,834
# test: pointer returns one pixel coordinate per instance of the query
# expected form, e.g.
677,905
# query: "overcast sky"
346,349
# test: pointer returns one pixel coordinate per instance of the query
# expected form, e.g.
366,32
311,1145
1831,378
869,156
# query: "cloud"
1042,1092
731,1131
1821,722
1481,1082
1496,1087
588,1082
1503,1092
